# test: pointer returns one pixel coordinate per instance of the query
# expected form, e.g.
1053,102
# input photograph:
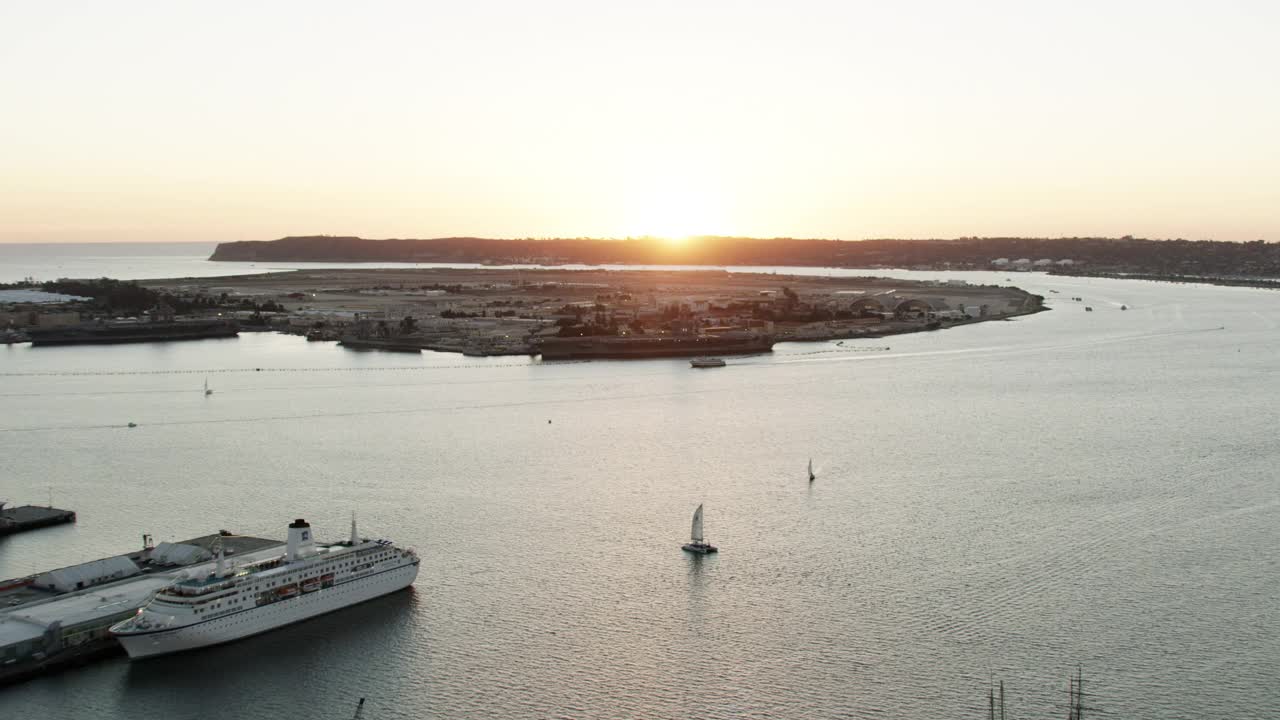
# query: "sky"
198,121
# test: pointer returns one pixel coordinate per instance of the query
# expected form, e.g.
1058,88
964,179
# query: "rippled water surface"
1008,499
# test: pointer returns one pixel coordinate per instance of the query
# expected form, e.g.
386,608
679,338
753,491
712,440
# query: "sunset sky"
185,121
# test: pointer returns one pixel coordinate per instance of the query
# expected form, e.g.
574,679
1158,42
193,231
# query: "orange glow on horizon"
681,123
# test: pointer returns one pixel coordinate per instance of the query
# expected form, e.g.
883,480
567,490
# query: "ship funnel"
300,543
355,538
221,569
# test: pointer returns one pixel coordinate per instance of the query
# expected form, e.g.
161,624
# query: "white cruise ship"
232,603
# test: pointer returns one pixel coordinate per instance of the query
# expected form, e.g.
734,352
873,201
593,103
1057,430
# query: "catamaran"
696,542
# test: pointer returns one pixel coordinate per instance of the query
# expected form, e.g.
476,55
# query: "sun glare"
675,214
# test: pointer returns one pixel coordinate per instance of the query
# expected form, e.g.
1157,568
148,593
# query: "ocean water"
1009,500
137,261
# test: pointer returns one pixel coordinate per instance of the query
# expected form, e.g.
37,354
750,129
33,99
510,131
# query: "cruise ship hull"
255,620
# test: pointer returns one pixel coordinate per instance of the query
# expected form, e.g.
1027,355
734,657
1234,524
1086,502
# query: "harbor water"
1008,499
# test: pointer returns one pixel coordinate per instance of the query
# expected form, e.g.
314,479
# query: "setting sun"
675,212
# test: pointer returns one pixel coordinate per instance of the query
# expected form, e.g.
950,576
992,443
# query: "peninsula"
565,314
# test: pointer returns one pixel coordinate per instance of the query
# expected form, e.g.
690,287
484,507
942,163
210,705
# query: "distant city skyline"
181,122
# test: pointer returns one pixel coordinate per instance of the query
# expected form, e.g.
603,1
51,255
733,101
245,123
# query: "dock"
30,517
60,618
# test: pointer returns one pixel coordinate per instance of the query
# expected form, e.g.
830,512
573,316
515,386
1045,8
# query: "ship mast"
991,700
1076,695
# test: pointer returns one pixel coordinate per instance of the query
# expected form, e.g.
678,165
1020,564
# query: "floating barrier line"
375,368
389,411
101,373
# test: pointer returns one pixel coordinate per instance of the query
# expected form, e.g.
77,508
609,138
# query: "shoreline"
511,311
1259,283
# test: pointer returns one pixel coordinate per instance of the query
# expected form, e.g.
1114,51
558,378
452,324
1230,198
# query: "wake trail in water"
995,350
1042,574
1271,325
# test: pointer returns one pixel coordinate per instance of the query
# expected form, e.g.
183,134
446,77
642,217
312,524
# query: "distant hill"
1085,255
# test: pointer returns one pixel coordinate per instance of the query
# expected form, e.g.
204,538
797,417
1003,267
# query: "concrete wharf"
61,618
30,517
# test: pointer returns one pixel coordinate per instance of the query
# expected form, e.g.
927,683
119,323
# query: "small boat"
811,475
696,542
706,362
207,391
1124,307
1088,309
133,424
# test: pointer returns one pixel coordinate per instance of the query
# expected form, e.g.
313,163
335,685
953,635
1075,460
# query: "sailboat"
207,391
811,475
696,543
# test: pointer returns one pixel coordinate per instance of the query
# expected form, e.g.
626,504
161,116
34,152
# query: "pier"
61,618
30,517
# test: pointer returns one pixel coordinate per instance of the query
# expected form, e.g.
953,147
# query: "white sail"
697,525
